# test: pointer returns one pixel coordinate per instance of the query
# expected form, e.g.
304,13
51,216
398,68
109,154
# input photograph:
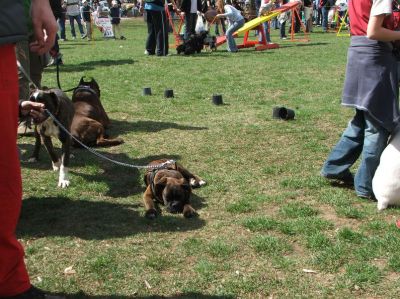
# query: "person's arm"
44,26
227,14
376,31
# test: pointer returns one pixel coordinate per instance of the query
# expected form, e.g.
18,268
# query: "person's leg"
71,23
375,141
162,34
282,30
22,55
61,26
266,30
78,21
186,34
151,32
14,278
347,150
36,67
325,12
114,29
231,44
88,26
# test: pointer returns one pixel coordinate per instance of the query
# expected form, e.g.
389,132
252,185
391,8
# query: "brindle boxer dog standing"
170,186
61,107
90,119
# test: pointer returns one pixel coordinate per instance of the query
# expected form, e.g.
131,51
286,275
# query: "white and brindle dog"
386,181
58,104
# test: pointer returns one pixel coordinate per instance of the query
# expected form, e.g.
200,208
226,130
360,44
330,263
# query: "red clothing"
359,12
13,275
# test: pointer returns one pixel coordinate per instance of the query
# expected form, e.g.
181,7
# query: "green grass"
265,214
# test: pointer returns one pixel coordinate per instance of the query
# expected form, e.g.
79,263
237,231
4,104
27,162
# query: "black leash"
58,76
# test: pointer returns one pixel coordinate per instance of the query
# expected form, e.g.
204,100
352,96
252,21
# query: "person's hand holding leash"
33,109
45,26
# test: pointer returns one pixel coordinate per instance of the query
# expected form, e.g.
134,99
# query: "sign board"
104,25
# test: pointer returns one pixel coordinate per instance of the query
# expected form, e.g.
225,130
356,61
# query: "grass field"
269,226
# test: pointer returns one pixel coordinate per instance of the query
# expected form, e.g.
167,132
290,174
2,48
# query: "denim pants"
363,136
61,26
266,30
325,12
231,46
78,21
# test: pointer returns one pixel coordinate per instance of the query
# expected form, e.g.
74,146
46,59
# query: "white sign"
104,25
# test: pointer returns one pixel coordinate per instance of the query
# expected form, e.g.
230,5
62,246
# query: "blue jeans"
61,26
78,21
325,12
231,46
266,30
363,136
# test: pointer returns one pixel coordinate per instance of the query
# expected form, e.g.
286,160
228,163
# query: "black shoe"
347,179
123,37
34,293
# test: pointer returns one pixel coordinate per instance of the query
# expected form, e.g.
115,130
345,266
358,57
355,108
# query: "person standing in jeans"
74,14
371,88
235,19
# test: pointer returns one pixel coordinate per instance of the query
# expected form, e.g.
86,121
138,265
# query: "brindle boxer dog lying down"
61,107
90,119
170,186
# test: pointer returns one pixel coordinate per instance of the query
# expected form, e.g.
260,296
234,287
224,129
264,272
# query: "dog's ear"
54,99
81,82
185,185
160,185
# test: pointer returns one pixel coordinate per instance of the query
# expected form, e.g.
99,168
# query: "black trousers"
190,24
157,29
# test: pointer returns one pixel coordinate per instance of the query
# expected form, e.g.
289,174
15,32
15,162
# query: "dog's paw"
197,183
151,214
32,160
190,214
63,183
56,165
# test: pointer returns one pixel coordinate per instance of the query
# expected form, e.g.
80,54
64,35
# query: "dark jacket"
13,23
186,4
115,15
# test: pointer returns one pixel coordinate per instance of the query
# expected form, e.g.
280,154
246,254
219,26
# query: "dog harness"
153,173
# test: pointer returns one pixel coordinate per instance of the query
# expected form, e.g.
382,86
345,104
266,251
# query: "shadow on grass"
89,65
120,126
191,295
93,220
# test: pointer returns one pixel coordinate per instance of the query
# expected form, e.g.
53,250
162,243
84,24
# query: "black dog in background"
197,42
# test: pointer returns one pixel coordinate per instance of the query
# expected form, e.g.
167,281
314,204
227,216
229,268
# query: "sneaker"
147,53
34,293
123,37
89,39
83,36
74,37
283,37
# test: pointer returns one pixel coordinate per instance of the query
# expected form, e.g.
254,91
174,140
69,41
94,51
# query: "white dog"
386,182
